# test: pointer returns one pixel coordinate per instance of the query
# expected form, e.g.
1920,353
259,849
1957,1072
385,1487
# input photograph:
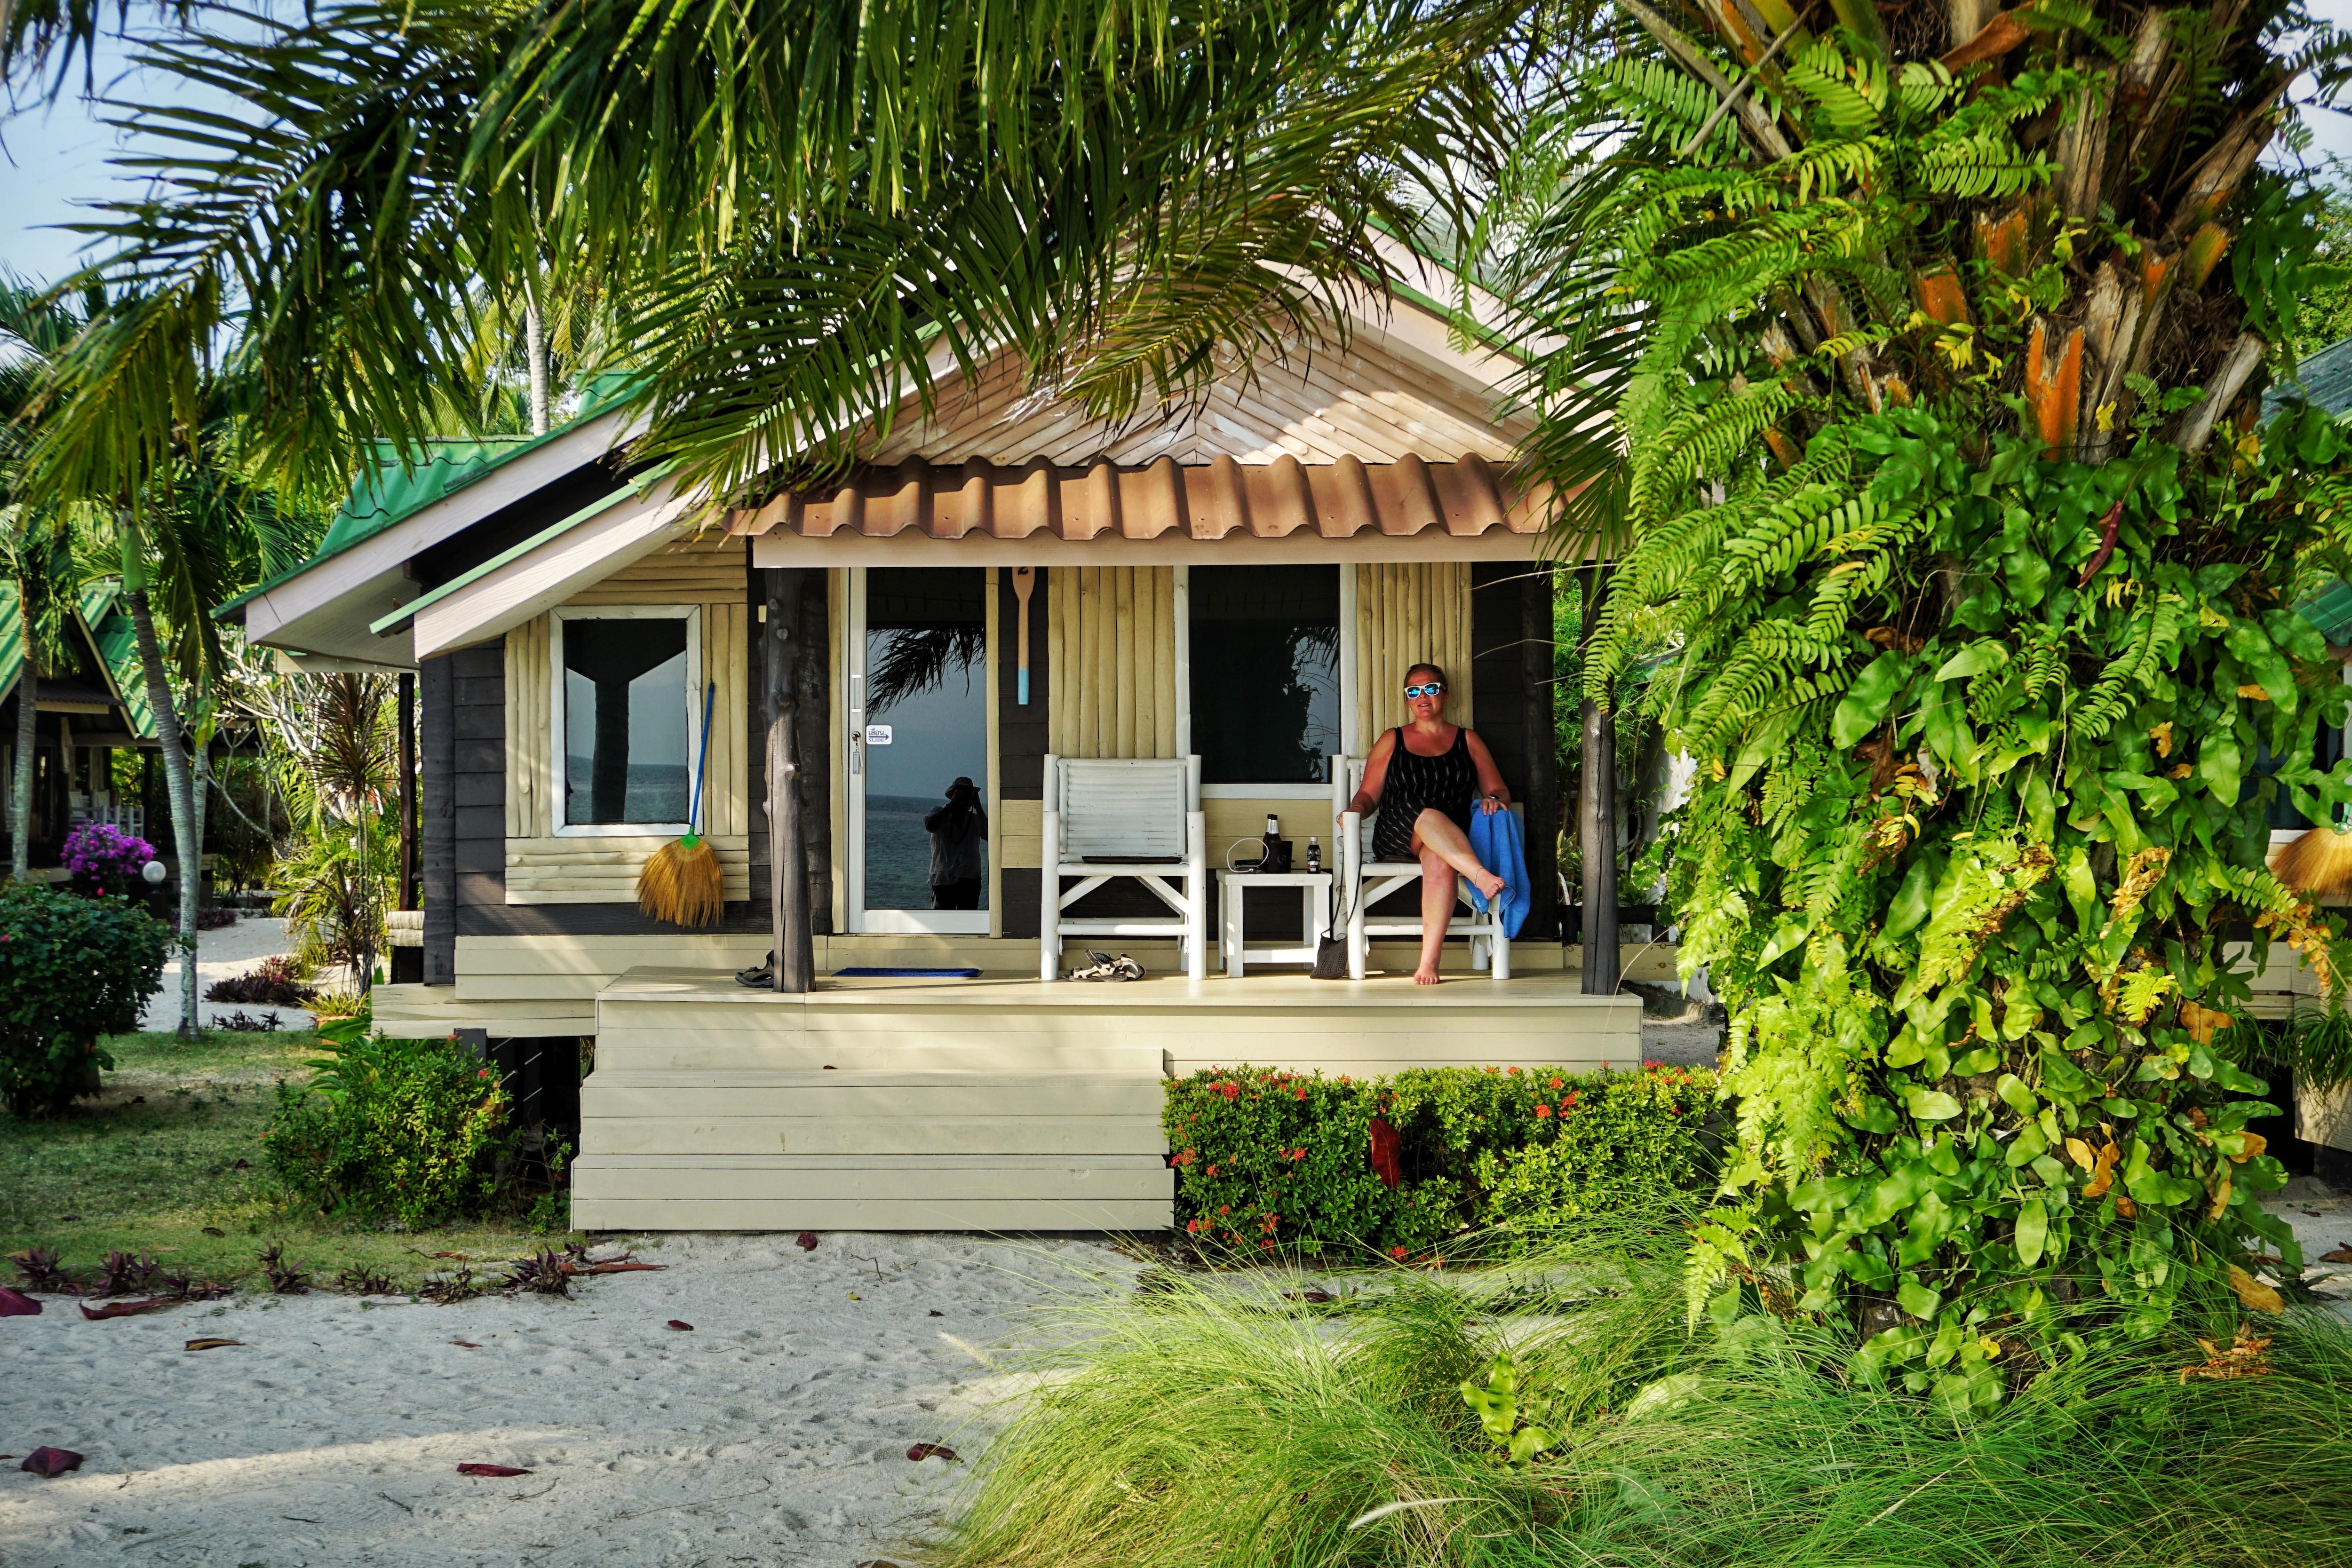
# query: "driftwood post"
795,960
1597,812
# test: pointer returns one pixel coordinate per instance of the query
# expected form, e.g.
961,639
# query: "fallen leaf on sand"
806,1241
937,1313
921,1451
2247,1356
855,1297
17,1304
47,1461
213,1343
470,1469
465,1344
613,1268
123,1309
2342,1254
681,1325
2314,1213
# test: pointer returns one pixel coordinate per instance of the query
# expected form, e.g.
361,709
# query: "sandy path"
774,1433
231,950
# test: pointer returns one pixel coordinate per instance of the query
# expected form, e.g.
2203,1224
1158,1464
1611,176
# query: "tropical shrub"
1268,1159
104,859
1947,490
280,980
387,1128
72,969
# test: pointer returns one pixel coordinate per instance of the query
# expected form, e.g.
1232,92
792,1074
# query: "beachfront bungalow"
1210,609
90,702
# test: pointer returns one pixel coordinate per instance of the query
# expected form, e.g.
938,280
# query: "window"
625,717
1265,652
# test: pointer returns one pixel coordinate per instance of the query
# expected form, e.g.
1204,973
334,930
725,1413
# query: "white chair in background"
1364,881
1141,819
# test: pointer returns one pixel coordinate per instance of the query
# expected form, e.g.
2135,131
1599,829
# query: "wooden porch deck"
997,1103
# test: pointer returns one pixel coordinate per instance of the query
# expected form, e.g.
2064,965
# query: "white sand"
231,950
776,1432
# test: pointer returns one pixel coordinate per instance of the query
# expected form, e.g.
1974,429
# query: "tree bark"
534,340
20,787
1597,813
179,780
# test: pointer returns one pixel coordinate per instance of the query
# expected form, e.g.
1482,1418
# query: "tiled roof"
1204,501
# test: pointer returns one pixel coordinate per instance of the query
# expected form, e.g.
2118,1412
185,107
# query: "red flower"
1510,1072
1542,1111
1397,1253
1299,1153
1345,1079
484,1073
1558,1084
1212,1170
1192,1227
1224,1209
1302,1094
1573,1096
1673,1110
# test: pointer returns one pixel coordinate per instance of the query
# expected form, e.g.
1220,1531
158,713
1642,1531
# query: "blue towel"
1501,847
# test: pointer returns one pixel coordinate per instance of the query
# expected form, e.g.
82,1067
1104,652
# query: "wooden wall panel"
691,571
1112,646
529,767
726,789
1408,612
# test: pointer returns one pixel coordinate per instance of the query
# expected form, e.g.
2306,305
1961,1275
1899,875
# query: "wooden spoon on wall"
1024,583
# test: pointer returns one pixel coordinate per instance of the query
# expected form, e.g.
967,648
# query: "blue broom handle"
701,761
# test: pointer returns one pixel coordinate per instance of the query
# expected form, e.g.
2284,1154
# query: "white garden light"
153,870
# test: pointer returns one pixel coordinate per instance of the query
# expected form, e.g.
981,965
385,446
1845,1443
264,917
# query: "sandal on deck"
763,979
1105,967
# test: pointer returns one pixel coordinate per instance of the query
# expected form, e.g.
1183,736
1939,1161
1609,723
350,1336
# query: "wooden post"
796,961
1542,819
406,898
1597,813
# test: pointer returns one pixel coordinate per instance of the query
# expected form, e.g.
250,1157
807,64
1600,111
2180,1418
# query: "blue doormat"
906,973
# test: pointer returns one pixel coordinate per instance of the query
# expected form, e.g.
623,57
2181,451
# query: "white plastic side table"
1313,902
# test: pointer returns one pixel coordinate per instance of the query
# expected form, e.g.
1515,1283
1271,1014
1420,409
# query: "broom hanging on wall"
2320,863
682,883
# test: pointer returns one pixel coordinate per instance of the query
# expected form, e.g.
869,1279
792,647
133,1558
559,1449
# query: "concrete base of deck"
998,1103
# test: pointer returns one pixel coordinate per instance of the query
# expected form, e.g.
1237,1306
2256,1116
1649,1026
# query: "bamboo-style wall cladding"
1410,612
1111,639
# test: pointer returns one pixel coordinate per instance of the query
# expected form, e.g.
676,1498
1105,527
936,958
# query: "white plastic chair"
1108,819
1364,881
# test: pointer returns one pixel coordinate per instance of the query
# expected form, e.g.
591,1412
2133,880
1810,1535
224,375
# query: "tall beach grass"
1216,1422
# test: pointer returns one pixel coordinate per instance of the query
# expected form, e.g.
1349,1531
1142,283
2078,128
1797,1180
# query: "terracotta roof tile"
1214,500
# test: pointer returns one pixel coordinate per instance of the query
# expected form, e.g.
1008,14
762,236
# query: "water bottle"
1314,855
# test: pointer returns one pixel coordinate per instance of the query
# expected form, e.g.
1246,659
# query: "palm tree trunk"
534,339
20,787
1597,815
179,781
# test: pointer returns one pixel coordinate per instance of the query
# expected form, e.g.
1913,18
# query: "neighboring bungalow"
90,703
1244,581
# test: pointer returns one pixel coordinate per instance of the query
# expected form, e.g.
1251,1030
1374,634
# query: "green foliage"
1267,1160
1977,670
1226,1424
72,969
388,1127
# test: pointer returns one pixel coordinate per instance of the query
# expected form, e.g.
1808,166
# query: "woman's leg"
1434,830
1437,912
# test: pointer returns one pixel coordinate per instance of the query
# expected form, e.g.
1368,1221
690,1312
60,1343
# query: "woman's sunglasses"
1433,689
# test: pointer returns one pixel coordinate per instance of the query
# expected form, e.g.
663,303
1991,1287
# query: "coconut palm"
795,215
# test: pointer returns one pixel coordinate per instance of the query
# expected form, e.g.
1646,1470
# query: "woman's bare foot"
1425,975
1488,882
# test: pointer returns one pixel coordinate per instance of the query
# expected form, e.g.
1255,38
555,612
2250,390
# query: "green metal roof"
637,486
388,491
116,638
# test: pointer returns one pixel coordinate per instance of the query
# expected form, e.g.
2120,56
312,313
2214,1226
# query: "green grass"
170,1153
1214,1423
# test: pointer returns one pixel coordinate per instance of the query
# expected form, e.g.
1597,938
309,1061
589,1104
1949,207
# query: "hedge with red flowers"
1266,1159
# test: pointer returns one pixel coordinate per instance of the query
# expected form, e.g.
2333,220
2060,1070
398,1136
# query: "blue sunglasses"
1433,689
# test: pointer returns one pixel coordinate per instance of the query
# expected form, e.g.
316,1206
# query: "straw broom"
682,883
2320,863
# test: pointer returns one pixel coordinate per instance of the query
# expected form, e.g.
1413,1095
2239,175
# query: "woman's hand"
1489,804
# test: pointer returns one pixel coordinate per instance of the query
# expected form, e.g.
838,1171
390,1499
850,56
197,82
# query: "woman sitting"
1423,778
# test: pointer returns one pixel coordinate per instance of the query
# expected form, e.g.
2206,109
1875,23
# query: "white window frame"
691,696
1347,737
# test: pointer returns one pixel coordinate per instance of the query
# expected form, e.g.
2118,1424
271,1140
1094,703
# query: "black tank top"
1447,782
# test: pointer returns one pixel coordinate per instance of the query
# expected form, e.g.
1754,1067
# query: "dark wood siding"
438,784
479,752
1021,737
1510,637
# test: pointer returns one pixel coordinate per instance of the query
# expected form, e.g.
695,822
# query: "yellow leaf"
2255,693
2254,1144
2162,735
2104,1177
2180,770
2220,1197
2081,1153
1990,1346
2202,1023
2254,1292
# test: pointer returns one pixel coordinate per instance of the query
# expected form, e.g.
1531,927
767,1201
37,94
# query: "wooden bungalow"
1244,581
90,702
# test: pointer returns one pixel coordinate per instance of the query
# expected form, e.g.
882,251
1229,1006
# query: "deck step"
929,1191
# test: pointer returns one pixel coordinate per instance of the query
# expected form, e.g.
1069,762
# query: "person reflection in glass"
959,833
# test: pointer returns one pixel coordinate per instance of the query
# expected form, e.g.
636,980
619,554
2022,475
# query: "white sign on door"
877,734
